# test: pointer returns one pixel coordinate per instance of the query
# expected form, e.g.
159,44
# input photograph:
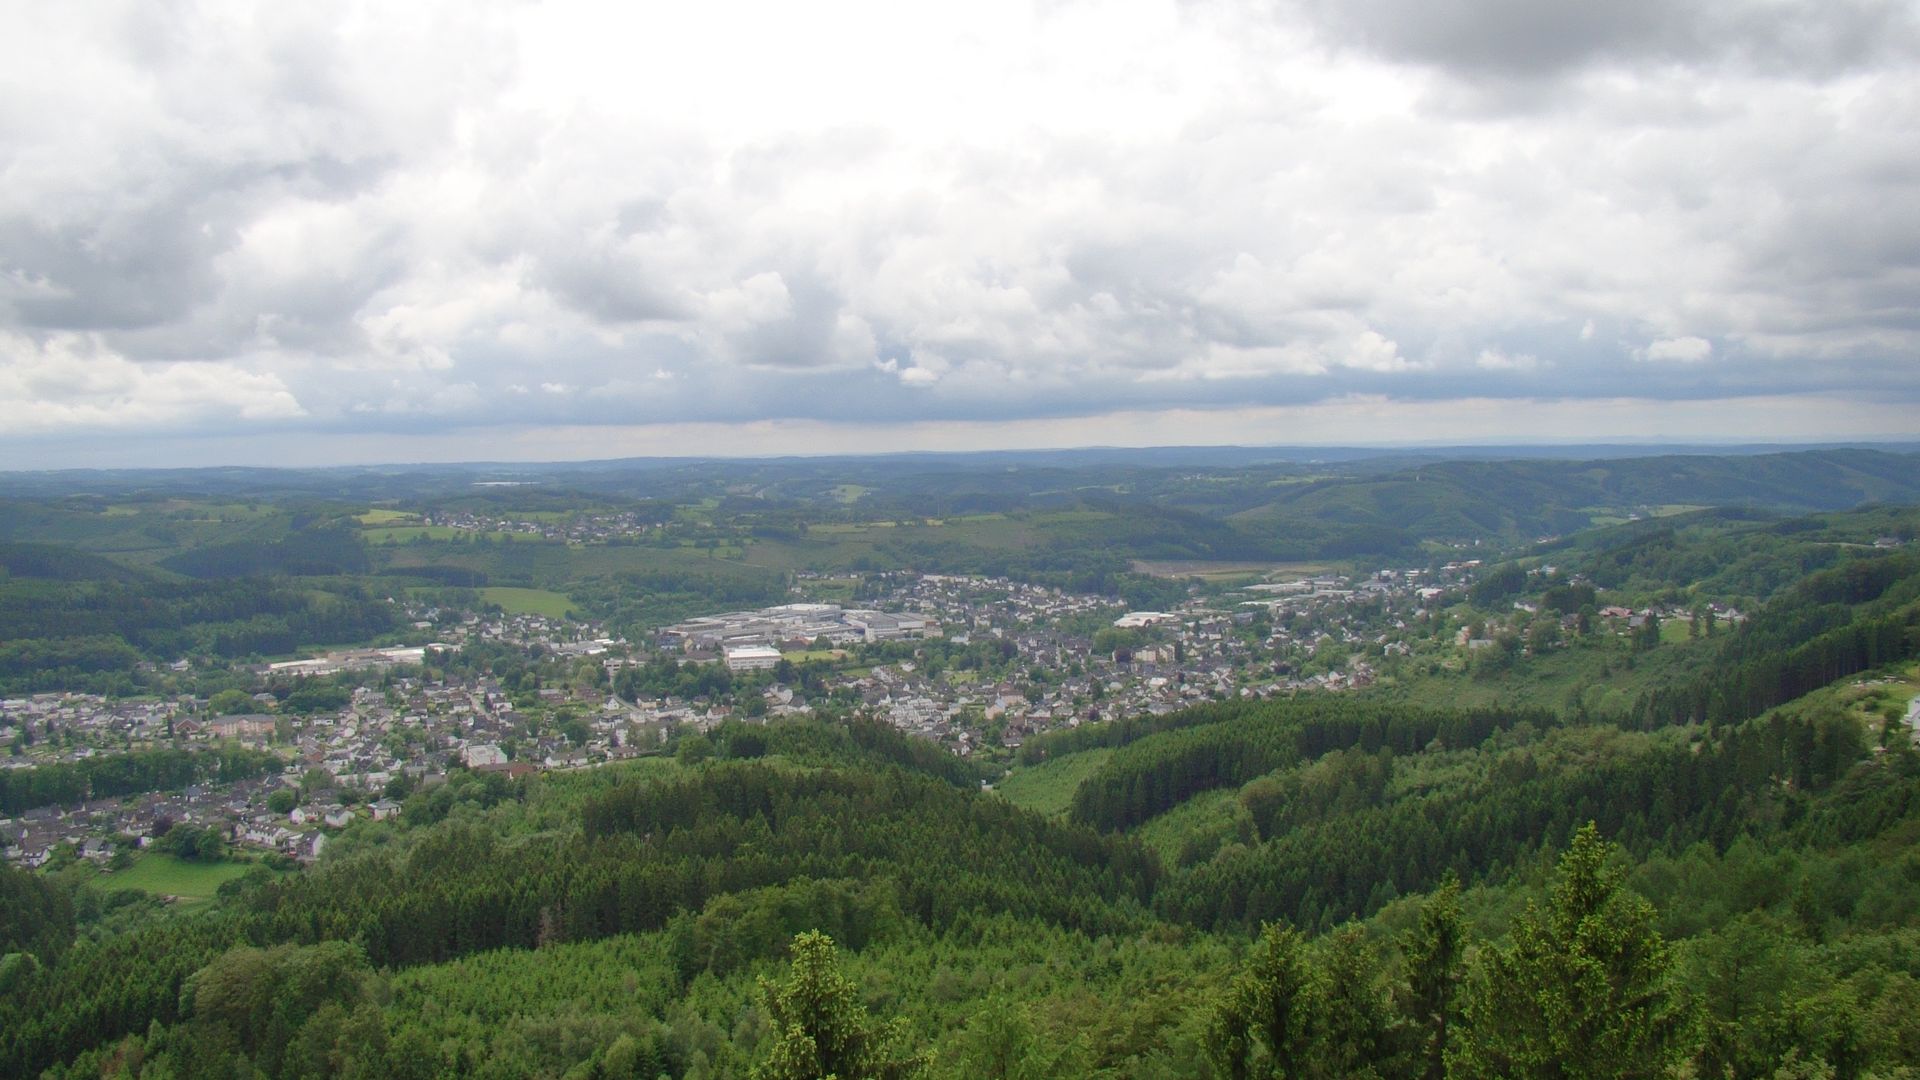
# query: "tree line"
1230,744
108,776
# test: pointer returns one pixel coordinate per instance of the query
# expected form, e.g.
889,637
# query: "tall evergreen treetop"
1435,951
1582,992
1264,1026
821,1031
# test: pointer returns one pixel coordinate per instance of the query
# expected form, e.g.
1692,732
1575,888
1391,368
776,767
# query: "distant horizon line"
1516,448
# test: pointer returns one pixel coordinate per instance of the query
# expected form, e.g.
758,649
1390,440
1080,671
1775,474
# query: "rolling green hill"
592,920
1518,500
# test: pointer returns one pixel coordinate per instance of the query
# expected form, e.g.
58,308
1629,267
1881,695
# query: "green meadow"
167,875
544,602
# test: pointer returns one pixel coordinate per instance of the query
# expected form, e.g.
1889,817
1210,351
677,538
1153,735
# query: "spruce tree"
1354,1031
820,1029
1434,952
1264,1026
1582,991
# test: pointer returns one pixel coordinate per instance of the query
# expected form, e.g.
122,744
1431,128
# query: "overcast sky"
319,233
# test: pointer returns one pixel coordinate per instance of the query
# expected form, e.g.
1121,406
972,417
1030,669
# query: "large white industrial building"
798,624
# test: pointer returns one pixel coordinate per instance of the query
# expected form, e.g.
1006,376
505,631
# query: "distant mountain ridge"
1467,499
1366,507
243,477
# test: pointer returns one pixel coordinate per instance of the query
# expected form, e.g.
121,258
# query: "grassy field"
1218,571
378,516
1882,700
800,656
848,528
388,534
1601,516
543,602
832,590
165,875
400,534
1907,686
1048,787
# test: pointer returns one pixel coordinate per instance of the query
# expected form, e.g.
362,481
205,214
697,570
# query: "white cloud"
760,299
74,382
1039,209
1371,351
1221,361
1679,350
1498,360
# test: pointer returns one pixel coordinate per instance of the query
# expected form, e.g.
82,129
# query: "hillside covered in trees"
1364,893
1580,851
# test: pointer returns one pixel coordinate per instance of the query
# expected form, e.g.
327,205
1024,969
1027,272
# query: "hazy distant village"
976,664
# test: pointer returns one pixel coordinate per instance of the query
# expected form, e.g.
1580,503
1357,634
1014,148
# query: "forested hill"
613,922
1514,499
257,562
74,620
1499,493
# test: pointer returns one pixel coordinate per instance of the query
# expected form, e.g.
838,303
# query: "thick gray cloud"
1537,38
372,222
